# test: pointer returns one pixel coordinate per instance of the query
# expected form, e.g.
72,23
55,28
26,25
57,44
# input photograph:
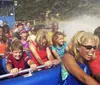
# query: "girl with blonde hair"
40,50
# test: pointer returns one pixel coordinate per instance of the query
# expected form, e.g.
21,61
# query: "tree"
37,9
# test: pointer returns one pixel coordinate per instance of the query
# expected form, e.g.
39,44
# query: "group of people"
27,48
79,59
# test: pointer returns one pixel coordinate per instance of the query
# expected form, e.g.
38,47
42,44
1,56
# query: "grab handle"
22,71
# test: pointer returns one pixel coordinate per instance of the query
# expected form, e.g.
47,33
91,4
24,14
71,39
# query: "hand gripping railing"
22,71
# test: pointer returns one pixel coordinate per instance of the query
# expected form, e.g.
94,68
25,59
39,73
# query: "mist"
87,20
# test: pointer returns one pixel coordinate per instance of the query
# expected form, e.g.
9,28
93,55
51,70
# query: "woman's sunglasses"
89,47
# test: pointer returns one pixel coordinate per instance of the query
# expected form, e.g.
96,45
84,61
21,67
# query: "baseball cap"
23,31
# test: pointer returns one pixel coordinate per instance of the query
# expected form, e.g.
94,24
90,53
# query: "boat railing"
20,72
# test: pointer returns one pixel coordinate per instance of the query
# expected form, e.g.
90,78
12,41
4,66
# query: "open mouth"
90,54
17,58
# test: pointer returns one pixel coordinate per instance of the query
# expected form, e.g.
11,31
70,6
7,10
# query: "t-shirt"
18,63
60,50
2,48
25,45
95,64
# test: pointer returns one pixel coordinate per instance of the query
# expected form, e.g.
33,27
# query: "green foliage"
62,9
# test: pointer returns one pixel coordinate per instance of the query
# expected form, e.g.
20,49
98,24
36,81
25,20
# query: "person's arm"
32,65
33,50
97,77
9,67
49,54
72,67
50,57
9,64
13,71
55,53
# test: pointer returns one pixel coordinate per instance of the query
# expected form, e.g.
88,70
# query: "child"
59,45
3,41
40,50
24,35
17,59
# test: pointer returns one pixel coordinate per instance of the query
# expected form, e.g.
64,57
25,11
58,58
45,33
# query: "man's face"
55,27
20,28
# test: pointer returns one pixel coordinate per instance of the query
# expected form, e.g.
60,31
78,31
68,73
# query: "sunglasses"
89,47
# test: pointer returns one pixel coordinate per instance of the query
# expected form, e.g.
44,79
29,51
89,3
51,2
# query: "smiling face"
87,50
17,49
83,46
24,35
60,40
17,54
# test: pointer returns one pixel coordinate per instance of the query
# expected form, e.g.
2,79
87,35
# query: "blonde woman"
74,69
40,50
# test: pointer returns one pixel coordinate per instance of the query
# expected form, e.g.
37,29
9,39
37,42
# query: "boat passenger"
40,50
74,69
59,45
95,64
17,60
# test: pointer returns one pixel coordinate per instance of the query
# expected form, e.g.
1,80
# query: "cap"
23,31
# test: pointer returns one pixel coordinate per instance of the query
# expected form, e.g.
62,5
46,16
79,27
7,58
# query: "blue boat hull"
45,77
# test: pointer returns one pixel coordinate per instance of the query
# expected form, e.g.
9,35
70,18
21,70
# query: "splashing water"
84,22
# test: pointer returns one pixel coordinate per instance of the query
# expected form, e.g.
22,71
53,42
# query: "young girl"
74,63
40,50
59,45
24,35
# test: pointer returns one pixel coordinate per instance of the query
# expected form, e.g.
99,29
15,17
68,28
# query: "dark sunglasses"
89,47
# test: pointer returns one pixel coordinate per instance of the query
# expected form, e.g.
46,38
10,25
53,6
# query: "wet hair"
56,36
80,38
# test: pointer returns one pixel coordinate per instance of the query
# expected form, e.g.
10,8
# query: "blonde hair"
80,38
42,37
